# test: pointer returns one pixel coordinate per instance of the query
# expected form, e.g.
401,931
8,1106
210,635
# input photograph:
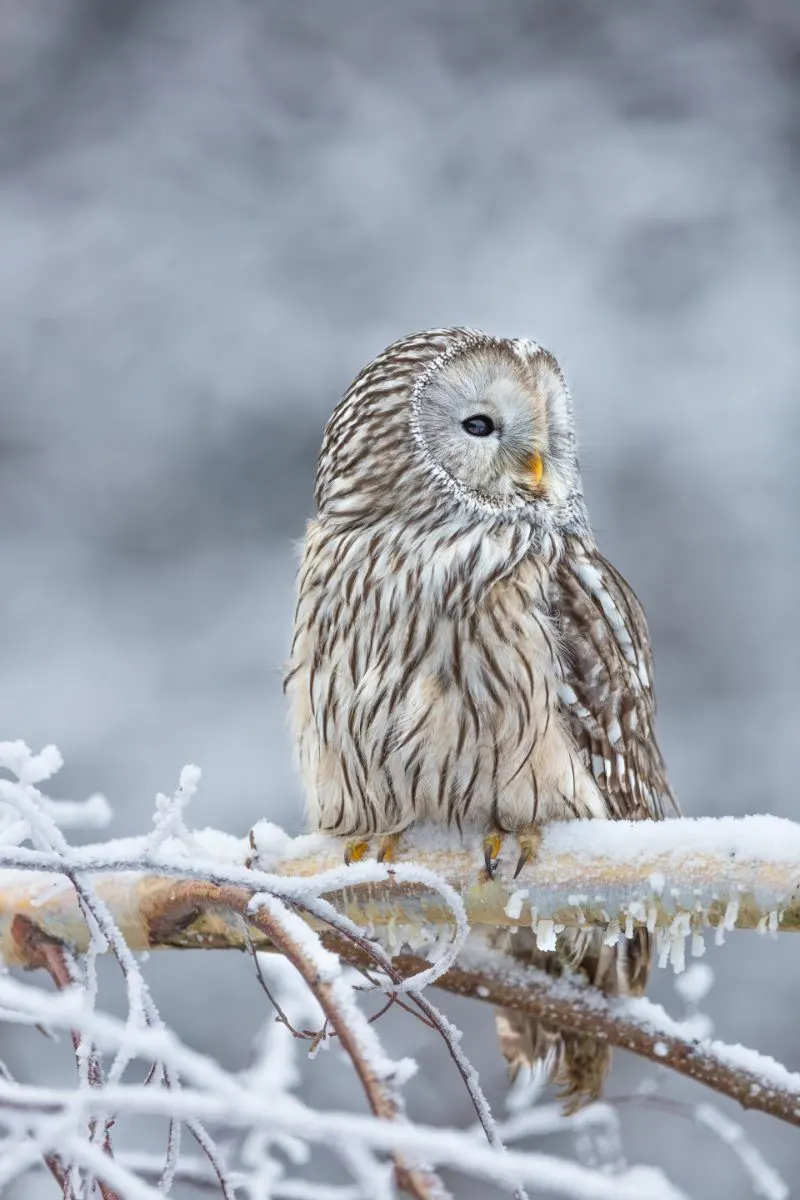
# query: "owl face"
453,425
494,418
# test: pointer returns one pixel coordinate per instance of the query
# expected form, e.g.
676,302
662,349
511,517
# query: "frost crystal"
612,934
168,819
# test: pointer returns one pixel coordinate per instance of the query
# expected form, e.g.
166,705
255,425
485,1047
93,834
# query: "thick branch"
676,875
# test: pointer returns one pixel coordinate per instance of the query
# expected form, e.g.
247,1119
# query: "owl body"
462,653
430,688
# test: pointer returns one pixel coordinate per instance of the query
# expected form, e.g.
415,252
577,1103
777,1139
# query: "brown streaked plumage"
462,651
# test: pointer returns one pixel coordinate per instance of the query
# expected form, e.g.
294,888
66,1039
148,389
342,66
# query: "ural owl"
462,652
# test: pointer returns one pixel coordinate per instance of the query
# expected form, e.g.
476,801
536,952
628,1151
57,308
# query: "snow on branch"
680,876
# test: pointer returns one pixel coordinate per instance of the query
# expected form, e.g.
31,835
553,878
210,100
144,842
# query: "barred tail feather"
576,1063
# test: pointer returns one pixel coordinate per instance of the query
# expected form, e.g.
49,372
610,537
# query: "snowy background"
211,216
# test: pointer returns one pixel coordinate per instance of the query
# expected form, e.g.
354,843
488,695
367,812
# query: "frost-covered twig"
45,952
37,819
321,970
212,1094
765,1179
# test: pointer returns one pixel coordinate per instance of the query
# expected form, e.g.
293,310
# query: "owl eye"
478,426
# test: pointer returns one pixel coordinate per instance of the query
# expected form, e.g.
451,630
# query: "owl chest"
403,651
411,710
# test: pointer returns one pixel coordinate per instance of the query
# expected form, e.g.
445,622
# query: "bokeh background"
210,217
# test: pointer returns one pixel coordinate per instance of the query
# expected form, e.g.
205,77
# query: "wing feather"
607,693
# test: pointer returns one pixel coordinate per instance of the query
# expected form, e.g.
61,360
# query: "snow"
752,839
695,983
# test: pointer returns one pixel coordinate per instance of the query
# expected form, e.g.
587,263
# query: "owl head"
455,422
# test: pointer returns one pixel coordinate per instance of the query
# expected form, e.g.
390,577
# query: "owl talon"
529,844
387,851
355,850
492,845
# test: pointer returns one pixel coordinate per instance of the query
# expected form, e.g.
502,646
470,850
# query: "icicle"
698,944
545,935
613,934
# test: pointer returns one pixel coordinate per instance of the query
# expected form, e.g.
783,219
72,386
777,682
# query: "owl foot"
492,845
387,851
356,849
529,840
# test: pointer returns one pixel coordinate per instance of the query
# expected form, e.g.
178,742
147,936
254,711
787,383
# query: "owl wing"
607,692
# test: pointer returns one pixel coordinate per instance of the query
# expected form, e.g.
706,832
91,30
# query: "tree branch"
677,875
43,951
285,932
754,1080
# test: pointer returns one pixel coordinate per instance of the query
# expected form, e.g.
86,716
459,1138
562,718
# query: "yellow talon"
529,843
492,845
355,850
387,851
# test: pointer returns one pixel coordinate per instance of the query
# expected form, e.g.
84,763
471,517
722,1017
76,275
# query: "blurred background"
211,216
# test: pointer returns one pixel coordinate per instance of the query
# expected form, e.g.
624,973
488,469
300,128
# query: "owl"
463,654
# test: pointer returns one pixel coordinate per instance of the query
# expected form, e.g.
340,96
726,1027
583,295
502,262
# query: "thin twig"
280,1015
95,907
415,1180
349,934
199,895
43,951
51,1161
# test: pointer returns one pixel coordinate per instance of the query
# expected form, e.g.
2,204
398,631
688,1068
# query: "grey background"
211,215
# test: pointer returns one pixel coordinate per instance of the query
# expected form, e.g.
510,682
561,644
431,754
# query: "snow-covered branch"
404,925
678,876
206,911
636,1024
